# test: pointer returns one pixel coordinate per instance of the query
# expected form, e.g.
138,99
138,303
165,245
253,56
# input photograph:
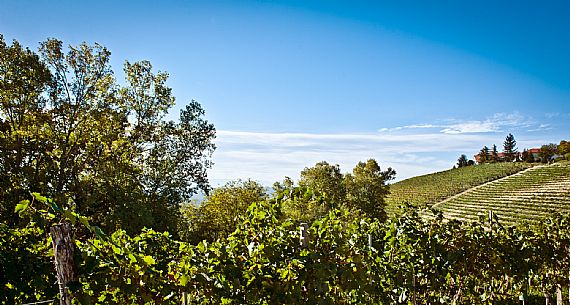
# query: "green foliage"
509,148
363,191
302,204
547,151
346,262
325,179
120,269
462,161
530,196
423,191
527,157
26,267
484,155
564,147
367,189
23,81
68,130
217,216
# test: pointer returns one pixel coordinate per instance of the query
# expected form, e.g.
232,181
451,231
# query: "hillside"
527,196
426,190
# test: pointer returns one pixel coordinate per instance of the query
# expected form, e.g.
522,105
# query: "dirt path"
484,184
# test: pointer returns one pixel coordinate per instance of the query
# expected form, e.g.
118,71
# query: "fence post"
63,252
414,288
370,253
304,237
522,299
559,298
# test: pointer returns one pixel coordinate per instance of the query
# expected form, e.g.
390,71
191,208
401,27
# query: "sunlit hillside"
424,191
528,196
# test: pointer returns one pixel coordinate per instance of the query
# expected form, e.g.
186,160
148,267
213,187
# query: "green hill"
527,196
424,191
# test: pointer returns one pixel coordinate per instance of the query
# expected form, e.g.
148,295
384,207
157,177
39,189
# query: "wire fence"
40,302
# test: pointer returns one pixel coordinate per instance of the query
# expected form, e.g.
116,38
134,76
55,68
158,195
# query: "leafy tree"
68,130
325,179
323,188
484,155
23,82
302,204
367,189
218,215
563,147
510,148
526,156
462,161
547,151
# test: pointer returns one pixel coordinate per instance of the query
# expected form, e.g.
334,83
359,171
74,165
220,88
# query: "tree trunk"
304,236
559,299
547,298
63,252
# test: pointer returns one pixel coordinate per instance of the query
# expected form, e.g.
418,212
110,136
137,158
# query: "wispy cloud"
541,127
551,115
499,122
268,157
411,150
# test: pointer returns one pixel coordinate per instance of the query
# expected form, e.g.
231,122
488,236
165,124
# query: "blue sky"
291,83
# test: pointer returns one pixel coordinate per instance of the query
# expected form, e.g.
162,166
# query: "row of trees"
510,153
492,155
70,131
320,189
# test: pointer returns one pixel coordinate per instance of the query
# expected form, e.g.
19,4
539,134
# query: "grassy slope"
524,197
424,191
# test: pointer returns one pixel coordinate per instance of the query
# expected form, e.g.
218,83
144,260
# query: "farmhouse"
534,153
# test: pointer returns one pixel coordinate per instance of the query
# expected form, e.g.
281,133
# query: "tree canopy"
510,148
326,179
363,190
367,189
68,130
218,215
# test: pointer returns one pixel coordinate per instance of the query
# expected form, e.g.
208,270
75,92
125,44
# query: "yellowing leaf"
22,206
149,260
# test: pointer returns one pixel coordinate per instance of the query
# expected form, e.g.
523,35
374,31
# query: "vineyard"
269,260
97,179
423,191
528,196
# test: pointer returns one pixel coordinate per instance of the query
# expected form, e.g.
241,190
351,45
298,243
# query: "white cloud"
493,124
268,157
471,127
411,150
541,127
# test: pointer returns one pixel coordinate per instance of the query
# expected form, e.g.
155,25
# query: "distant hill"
527,196
424,191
